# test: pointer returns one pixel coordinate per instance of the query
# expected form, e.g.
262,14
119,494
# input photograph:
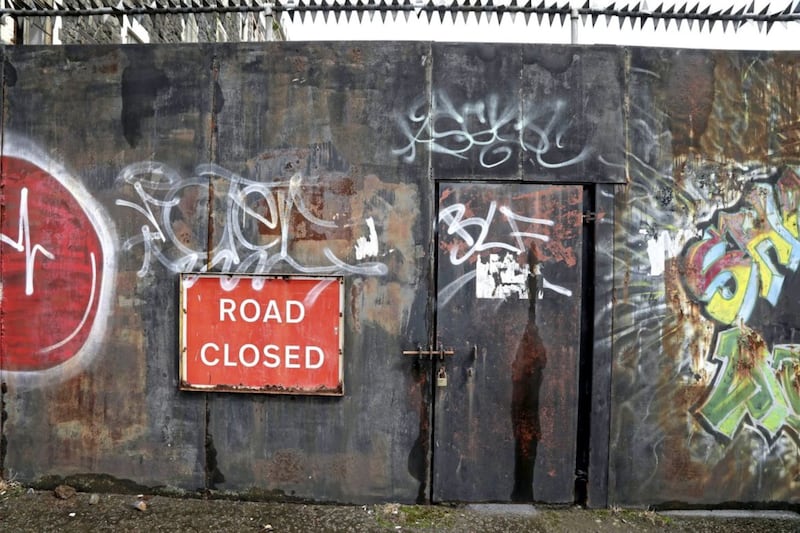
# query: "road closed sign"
270,334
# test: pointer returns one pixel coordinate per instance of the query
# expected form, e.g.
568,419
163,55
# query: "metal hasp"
430,352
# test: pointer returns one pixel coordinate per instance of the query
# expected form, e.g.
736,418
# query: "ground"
65,510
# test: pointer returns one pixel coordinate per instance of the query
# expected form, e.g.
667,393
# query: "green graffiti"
752,384
786,361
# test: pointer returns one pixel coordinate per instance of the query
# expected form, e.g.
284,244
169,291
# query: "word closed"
249,333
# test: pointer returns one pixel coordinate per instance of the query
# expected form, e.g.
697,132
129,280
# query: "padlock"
441,378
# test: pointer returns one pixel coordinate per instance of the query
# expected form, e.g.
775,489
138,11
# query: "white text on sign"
249,355
251,310
270,355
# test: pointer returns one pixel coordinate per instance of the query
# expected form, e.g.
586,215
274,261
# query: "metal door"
509,296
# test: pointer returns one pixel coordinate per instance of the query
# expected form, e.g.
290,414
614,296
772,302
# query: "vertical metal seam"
433,301
429,80
626,118
610,347
3,386
520,113
213,156
585,367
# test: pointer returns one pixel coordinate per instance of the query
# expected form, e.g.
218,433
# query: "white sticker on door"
500,276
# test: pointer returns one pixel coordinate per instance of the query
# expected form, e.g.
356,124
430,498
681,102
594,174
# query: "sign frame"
189,279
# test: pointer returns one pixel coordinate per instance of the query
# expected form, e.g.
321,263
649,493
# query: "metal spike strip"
767,17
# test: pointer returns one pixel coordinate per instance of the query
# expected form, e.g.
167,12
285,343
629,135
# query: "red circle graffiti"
51,261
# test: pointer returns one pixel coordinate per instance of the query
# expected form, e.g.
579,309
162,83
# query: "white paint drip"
367,246
657,252
665,246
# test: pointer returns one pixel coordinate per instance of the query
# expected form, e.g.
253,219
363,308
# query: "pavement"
66,510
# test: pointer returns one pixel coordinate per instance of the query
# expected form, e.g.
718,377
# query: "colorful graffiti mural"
739,258
752,385
745,254
705,329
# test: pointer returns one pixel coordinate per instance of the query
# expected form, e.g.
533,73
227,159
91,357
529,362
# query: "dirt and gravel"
65,510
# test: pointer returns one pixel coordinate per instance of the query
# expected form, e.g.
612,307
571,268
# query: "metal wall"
705,320
605,239
183,154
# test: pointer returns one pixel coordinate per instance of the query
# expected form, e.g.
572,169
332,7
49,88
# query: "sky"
748,37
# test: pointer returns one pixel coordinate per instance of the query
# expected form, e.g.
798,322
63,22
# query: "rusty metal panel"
89,314
306,135
509,299
472,114
704,398
268,334
122,167
542,113
572,114
602,349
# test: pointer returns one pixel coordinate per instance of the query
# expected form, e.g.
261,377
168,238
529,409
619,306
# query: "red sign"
52,268
249,333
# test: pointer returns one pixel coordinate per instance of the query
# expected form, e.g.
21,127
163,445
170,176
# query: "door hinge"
589,216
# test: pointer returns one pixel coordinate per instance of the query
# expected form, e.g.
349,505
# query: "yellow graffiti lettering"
771,279
725,304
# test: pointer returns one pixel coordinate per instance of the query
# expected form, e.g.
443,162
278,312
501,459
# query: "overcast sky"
748,37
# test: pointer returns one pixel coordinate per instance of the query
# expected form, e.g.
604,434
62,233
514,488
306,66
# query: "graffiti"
763,235
494,131
742,257
23,242
453,216
497,278
752,384
252,235
58,266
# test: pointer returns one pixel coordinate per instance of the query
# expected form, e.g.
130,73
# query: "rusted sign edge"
267,389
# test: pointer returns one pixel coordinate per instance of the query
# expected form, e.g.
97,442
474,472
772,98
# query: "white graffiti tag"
174,208
453,216
495,132
497,277
23,242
